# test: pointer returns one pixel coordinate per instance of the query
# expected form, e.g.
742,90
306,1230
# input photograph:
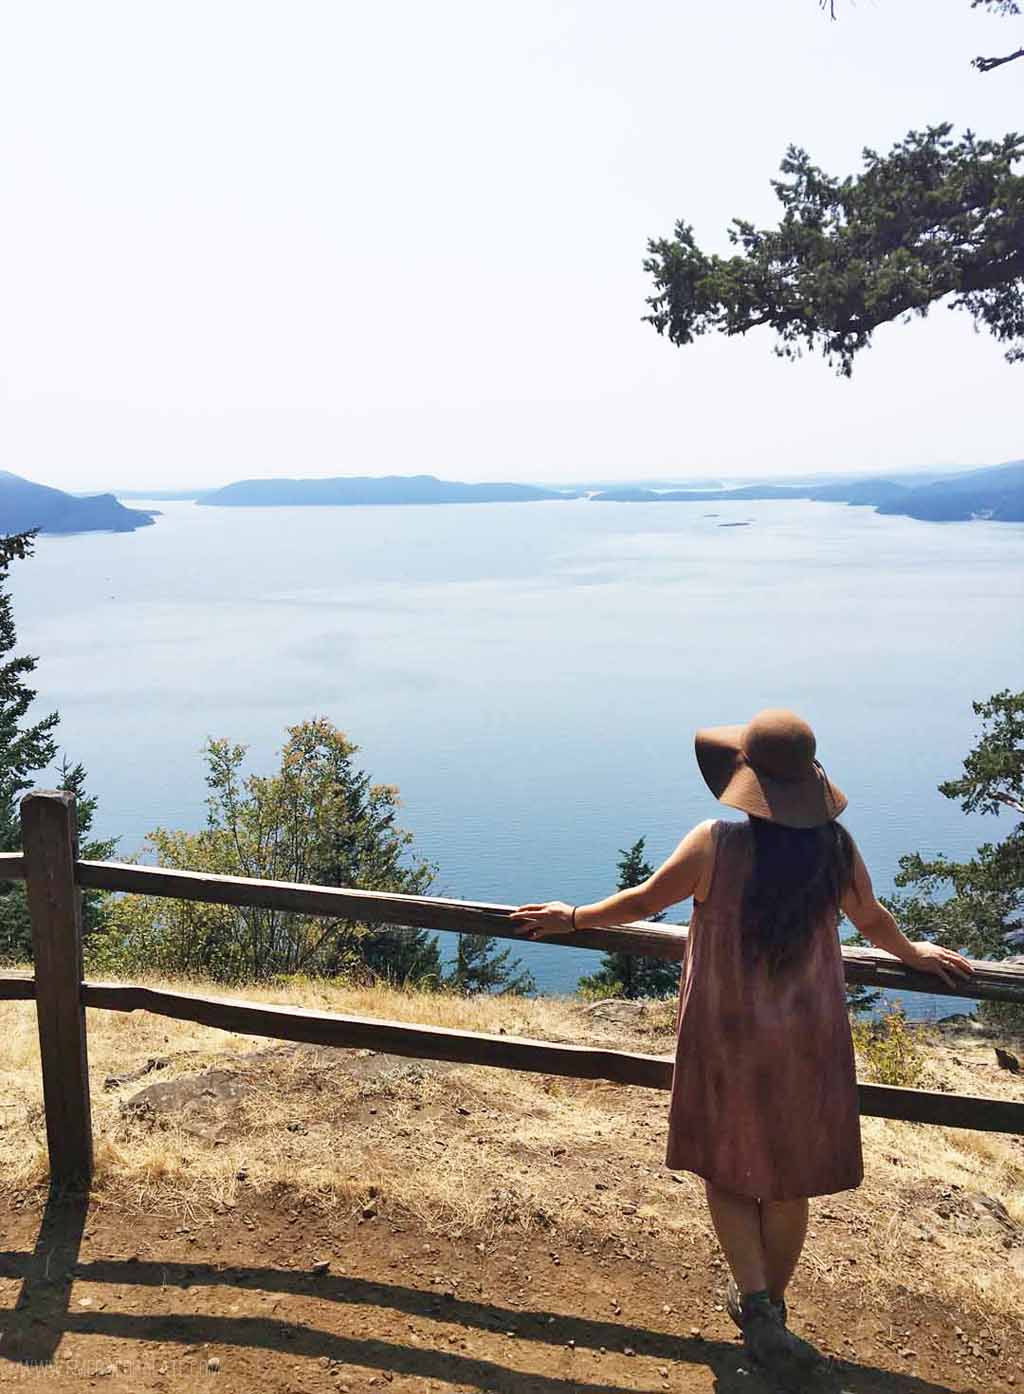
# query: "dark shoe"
769,1343
732,1304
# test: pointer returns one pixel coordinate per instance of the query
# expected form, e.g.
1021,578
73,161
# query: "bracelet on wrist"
574,917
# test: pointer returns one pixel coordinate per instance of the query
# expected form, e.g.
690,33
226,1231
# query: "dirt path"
92,1299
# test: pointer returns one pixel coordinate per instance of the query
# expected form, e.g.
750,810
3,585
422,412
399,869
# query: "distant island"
865,491
25,506
365,489
995,493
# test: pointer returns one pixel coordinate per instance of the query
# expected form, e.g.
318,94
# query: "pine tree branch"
1011,802
985,65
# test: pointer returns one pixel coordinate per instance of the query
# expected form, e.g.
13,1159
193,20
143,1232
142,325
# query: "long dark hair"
798,877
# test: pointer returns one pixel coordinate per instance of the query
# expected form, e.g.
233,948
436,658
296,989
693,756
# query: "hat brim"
807,802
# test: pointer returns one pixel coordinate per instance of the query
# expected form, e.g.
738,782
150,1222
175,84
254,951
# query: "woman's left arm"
676,879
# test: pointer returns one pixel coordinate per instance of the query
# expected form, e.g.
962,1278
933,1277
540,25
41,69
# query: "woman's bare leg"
783,1231
737,1222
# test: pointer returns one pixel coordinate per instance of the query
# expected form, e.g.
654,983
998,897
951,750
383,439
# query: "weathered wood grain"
511,1052
995,982
50,842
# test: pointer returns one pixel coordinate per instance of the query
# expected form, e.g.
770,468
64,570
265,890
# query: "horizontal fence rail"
512,1052
994,982
55,877
17,987
503,1052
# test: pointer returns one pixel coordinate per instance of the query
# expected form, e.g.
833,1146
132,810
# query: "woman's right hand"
555,917
945,963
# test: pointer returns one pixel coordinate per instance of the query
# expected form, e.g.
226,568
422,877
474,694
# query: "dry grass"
475,1150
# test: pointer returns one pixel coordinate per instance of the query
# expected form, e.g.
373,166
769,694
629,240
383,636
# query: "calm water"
530,675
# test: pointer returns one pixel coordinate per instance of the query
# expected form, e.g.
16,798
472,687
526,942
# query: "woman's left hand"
541,920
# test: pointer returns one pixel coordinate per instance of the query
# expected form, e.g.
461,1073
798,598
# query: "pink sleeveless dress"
764,1093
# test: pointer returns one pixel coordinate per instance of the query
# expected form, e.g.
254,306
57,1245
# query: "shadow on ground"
31,1332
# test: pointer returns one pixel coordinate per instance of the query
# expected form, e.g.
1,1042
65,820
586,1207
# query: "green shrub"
893,1051
595,989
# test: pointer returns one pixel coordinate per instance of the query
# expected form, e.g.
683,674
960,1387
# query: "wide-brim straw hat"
768,768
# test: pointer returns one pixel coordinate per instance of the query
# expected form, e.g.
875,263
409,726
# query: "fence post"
50,846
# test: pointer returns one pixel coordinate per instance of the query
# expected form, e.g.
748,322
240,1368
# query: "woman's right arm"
676,879
874,921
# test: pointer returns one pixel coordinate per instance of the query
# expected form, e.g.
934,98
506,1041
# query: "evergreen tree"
977,906
631,975
937,218
25,749
15,925
481,967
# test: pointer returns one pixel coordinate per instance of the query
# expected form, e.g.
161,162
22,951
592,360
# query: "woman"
764,1103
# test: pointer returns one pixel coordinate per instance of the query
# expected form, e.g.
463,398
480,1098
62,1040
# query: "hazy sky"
320,237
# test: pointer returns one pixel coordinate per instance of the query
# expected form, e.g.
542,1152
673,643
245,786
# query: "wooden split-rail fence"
55,878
